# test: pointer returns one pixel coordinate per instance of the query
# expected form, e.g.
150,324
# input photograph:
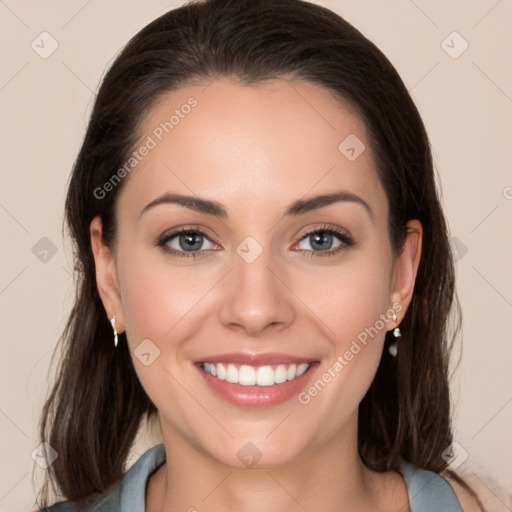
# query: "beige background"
466,103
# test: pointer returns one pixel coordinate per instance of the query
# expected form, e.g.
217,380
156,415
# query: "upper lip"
253,359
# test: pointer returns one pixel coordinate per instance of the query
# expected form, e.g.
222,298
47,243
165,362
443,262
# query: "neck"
330,477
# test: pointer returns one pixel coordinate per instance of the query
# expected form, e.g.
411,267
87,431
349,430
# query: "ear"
106,277
405,267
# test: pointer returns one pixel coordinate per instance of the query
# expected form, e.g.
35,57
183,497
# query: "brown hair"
92,414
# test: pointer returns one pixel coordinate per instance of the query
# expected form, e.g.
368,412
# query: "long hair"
93,412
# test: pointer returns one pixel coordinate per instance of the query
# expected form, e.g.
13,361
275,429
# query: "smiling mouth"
246,375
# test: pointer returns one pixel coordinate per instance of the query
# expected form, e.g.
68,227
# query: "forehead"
272,142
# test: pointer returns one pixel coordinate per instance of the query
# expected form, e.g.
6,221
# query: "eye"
324,241
186,242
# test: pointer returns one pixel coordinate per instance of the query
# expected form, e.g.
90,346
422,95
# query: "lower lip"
257,397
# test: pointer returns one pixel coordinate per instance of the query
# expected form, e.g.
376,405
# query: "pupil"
321,240
192,239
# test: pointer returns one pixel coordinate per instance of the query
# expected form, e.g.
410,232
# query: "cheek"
160,300
148,308
157,294
350,298
353,310
352,303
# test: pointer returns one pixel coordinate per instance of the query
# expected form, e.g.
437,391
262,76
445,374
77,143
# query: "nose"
256,299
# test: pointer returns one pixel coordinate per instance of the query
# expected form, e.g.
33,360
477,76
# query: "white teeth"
292,372
265,376
232,374
246,375
280,374
302,368
221,371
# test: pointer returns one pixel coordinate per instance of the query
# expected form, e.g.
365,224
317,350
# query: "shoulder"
105,502
469,502
129,491
429,491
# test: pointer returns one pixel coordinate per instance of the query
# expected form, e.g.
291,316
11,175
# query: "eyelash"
182,231
345,239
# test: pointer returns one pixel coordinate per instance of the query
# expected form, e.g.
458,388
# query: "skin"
255,150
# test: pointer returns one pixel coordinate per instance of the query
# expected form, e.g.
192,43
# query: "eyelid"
187,228
163,239
343,236
325,228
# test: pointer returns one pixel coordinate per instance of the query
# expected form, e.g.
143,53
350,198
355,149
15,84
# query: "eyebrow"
298,207
313,203
192,202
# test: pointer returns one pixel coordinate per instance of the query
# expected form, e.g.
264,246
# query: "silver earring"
393,347
113,324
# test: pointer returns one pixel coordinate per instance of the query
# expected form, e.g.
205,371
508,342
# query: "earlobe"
106,276
406,266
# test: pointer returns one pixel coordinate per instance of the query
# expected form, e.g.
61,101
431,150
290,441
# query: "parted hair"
96,404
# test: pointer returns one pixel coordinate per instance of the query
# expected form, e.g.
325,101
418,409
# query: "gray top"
428,491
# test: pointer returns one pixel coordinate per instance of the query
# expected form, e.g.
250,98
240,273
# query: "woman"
264,267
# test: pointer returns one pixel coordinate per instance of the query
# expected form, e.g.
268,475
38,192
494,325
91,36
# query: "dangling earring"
393,347
113,324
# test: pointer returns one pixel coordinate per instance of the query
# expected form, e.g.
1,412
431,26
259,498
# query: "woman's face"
286,265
